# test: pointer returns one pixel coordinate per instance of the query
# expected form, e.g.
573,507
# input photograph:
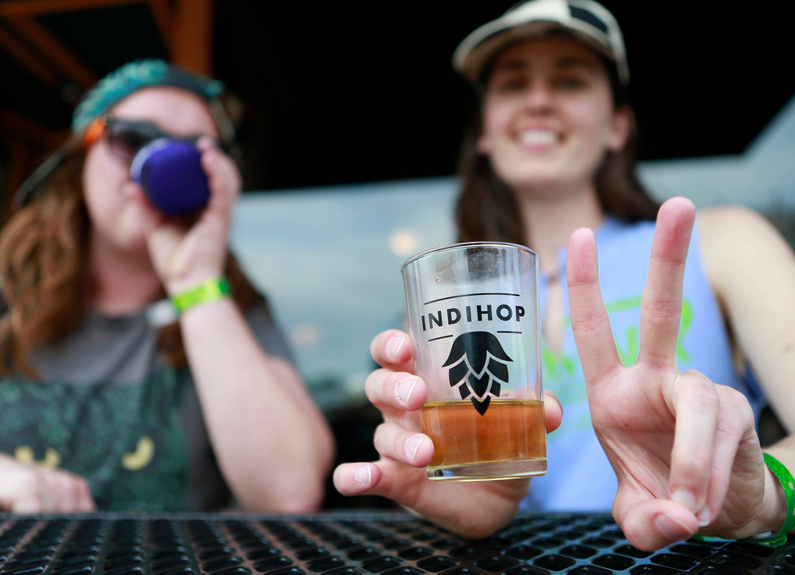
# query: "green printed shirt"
108,409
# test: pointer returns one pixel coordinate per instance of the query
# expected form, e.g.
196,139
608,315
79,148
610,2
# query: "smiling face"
115,212
548,117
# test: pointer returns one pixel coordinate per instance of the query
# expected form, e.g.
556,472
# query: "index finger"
223,176
589,320
392,349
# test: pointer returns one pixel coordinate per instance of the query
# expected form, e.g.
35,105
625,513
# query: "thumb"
553,411
650,524
151,218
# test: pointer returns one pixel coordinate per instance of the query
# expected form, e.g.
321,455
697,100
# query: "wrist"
774,512
178,285
204,292
779,503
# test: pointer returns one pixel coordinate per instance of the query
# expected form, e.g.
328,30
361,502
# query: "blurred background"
351,129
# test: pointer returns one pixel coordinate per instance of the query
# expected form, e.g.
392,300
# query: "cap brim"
478,49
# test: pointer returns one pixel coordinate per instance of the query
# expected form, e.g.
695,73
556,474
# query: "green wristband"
205,292
788,485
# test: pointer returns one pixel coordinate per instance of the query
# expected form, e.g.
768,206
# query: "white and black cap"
588,21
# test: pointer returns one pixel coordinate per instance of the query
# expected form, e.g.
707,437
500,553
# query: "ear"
484,145
621,126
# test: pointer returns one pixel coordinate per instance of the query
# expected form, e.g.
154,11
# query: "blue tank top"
579,475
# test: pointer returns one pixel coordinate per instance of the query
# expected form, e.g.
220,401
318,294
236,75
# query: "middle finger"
388,389
661,307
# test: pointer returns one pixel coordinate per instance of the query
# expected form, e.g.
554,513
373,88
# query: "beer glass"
475,336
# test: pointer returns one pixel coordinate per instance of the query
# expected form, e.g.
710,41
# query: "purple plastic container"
171,173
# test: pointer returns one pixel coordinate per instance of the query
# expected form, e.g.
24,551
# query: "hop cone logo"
478,365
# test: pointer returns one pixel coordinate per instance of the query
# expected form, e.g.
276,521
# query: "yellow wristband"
205,292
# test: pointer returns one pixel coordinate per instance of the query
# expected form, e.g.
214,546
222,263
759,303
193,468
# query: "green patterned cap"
135,76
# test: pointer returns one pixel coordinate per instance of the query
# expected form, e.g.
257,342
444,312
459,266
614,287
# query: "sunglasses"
125,138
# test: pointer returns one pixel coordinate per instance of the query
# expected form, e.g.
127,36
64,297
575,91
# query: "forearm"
272,444
752,270
774,366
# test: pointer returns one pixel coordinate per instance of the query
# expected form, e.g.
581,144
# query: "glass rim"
460,245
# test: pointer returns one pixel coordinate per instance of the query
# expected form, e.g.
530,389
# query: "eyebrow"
576,63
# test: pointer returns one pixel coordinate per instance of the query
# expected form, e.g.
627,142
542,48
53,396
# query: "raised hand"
29,488
468,509
684,449
184,256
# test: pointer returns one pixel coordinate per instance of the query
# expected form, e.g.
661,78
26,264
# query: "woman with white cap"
551,151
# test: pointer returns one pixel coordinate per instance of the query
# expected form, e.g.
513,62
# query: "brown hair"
487,209
46,282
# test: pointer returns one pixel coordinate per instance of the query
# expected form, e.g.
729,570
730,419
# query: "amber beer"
510,431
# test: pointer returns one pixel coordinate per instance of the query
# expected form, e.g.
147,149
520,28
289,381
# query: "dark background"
342,92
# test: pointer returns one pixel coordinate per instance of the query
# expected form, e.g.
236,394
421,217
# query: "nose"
538,98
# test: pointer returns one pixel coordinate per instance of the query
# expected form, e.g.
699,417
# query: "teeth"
538,137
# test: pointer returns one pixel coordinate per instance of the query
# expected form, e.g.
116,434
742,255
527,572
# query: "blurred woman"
101,404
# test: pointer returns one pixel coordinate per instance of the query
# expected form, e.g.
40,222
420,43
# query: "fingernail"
703,517
413,445
671,528
363,475
684,498
394,346
406,388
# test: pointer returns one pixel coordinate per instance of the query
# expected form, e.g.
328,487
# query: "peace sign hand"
683,448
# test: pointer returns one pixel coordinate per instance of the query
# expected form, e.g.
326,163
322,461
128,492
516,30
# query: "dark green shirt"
108,409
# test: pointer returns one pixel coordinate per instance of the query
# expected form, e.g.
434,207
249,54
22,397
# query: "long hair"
487,209
45,279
